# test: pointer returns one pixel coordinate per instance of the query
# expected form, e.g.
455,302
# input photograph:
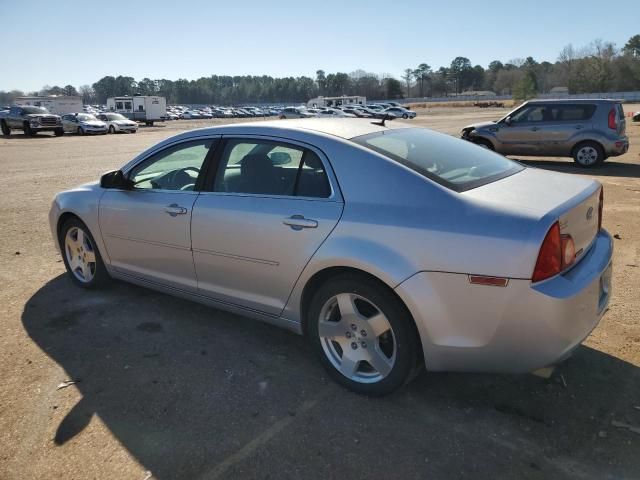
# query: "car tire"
81,256
377,328
6,131
27,130
58,132
588,154
481,142
405,116
80,131
112,129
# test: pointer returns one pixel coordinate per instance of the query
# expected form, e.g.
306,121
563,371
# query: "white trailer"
141,108
56,104
337,101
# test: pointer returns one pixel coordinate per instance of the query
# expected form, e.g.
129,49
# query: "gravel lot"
169,389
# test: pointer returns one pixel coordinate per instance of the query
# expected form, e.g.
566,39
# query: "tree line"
597,67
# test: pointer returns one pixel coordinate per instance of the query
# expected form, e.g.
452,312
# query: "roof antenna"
384,119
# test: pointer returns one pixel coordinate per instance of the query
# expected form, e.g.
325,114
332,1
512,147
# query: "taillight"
600,205
549,261
612,119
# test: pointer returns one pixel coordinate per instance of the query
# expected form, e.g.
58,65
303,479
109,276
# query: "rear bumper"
518,328
618,147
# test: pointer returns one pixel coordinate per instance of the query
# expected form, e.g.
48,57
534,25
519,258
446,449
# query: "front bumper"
518,328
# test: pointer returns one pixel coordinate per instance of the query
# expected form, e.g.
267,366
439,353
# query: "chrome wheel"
357,338
80,254
587,155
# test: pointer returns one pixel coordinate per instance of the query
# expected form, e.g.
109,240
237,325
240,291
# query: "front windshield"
85,117
454,163
36,110
115,116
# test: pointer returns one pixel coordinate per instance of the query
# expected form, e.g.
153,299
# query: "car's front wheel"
364,335
80,131
58,132
112,129
588,154
81,256
5,128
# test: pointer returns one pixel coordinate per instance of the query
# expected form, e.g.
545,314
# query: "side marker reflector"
490,281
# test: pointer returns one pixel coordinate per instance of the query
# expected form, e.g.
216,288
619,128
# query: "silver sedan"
389,247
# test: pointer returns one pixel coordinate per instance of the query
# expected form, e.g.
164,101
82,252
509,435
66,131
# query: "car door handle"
175,209
298,222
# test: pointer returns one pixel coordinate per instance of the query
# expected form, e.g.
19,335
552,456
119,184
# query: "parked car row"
175,112
33,120
389,111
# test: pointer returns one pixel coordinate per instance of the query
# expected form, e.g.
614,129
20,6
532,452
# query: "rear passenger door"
569,121
262,216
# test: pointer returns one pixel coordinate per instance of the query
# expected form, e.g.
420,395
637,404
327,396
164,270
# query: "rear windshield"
457,164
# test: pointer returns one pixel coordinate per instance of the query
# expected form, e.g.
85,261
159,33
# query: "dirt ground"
169,389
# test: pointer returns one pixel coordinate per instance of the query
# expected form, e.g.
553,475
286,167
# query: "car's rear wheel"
588,154
81,256
363,334
58,132
5,128
27,129
112,129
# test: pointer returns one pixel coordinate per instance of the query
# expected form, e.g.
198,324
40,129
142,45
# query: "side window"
118,105
270,168
574,113
127,105
175,168
532,114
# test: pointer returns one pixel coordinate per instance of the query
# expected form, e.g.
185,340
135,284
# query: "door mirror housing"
115,179
507,121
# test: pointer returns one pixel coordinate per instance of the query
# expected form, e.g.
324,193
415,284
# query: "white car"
334,113
83,124
117,122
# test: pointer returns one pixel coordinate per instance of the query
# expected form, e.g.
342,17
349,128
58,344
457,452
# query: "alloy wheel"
587,155
357,338
80,254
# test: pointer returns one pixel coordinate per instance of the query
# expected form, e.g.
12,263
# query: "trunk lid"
547,197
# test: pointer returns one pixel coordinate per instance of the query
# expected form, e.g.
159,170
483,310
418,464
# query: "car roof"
574,100
346,128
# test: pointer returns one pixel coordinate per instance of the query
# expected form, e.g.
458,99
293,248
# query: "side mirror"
508,121
115,179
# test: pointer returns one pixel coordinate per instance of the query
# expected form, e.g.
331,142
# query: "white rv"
336,101
141,108
56,104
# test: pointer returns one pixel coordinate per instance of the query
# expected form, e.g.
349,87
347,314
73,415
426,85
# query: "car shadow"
607,169
22,136
193,392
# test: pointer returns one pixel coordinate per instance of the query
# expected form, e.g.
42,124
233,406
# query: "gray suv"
590,131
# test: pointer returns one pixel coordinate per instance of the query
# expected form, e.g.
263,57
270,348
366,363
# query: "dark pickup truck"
30,120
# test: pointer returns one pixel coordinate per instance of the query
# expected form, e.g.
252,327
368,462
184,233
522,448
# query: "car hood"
93,123
124,122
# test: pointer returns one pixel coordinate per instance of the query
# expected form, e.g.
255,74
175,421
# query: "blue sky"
68,42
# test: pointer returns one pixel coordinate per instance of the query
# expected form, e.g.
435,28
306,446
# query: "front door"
522,135
270,207
147,228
